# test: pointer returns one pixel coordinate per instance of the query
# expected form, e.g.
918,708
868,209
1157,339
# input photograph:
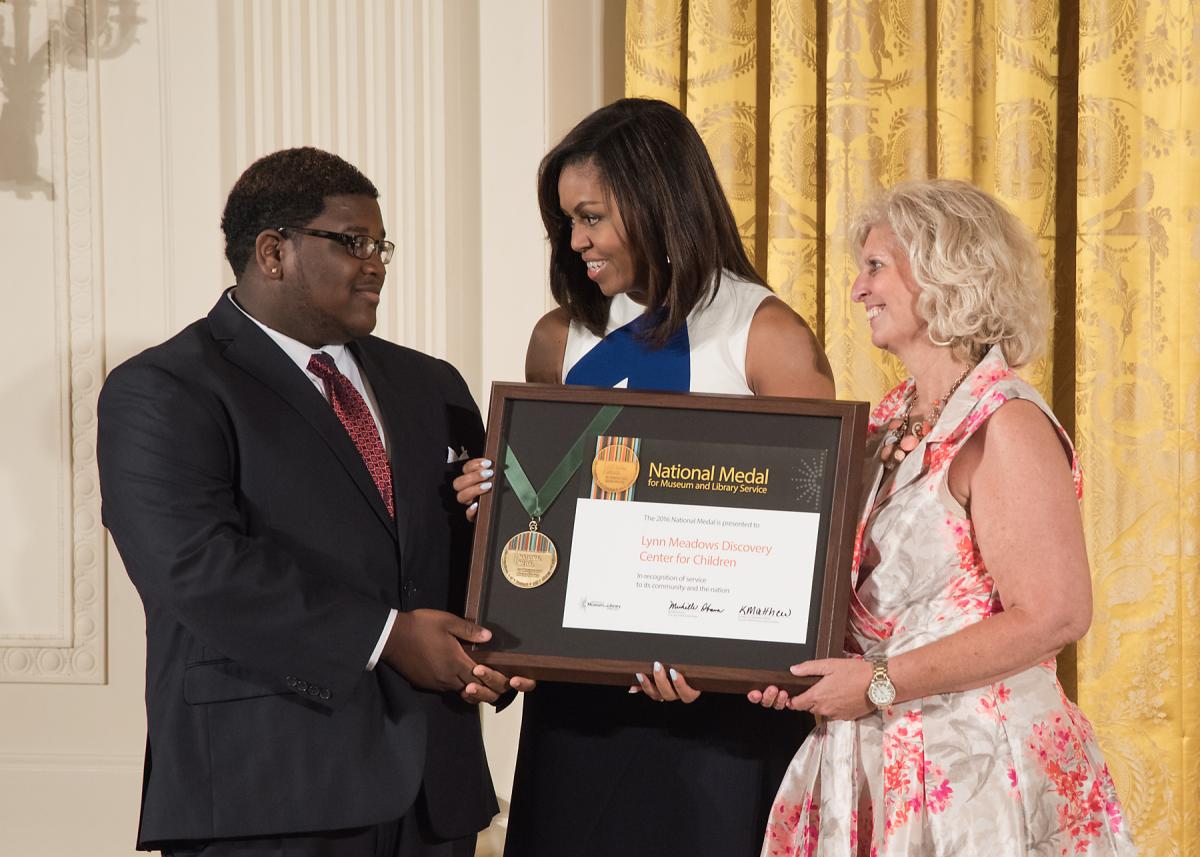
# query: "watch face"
881,693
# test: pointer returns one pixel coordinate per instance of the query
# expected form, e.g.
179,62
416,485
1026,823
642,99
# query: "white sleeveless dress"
707,355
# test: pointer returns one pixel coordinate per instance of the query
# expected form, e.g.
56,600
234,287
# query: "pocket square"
462,455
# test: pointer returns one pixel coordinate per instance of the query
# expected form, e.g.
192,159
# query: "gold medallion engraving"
615,468
528,559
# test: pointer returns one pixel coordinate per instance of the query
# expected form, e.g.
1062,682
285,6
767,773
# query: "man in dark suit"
277,482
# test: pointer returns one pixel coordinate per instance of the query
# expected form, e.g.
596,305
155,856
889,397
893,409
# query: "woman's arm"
1014,478
1016,482
547,343
783,357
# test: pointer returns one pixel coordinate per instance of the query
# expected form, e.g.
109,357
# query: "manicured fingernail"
479,670
657,667
487,474
487,462
473,506
633,690
641,679
674,675
485,486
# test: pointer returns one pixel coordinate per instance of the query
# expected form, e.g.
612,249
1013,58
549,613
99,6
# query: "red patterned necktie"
354,414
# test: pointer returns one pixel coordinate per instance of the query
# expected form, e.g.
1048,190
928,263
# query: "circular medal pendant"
615,468
528,559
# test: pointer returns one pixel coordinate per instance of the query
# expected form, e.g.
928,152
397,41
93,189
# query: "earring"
274,270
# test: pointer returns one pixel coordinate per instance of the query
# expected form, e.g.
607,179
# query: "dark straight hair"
653,165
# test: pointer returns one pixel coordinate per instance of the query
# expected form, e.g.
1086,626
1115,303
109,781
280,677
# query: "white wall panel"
52,585
123,123
366,79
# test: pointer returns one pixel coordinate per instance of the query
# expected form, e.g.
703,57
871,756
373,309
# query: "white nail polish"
640,678
657,667
485,486
486,462
486,474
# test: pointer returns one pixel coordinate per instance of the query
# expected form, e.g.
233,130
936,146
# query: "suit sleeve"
168,469
464,417
469,426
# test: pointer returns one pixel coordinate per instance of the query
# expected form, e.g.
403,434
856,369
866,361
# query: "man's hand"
424,647
490,685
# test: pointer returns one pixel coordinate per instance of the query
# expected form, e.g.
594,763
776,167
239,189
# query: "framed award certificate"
710,533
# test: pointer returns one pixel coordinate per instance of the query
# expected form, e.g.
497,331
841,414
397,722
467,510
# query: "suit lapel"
252,351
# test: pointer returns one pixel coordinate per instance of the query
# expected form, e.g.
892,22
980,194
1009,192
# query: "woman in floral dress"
946,730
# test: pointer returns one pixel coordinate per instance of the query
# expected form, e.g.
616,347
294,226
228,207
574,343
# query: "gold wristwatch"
880,692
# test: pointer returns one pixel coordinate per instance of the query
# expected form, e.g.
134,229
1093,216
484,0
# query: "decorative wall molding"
76,654
71,762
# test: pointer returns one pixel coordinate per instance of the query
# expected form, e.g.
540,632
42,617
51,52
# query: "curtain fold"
1138,361
1084,117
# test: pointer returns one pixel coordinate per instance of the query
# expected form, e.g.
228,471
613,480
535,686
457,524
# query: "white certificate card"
698,571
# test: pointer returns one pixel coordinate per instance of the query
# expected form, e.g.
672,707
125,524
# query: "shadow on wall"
26,48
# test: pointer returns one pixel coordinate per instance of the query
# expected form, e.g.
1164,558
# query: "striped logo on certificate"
615,467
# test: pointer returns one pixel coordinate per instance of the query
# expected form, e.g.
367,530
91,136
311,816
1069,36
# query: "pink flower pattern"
794,829
1010,768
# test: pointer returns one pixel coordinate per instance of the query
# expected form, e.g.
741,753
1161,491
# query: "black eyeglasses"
359,246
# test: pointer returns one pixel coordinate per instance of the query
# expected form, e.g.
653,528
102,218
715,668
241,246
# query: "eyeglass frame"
349,240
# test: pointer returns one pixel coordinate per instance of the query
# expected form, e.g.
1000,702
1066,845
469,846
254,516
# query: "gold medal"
615,468
529,558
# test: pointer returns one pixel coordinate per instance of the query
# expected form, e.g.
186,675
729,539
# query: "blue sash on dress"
624,356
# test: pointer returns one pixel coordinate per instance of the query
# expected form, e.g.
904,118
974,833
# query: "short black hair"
284,188
652,162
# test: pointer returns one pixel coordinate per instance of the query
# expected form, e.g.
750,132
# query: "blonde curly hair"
981,277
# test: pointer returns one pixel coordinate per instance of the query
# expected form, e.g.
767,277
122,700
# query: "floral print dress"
1008,769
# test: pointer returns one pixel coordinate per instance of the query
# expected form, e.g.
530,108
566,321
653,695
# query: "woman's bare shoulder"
783,357
547,343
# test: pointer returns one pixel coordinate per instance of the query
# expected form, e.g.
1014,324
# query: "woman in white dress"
655,292
946,731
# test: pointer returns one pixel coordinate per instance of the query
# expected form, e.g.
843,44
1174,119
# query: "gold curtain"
1084,117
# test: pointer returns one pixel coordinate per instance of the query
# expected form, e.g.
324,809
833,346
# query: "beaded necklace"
901,437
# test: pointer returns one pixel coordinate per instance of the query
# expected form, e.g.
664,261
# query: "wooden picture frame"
816,450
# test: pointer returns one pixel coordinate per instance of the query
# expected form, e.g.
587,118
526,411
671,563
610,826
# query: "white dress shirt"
300,354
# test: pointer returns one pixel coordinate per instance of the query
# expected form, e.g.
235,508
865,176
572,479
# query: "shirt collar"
294,348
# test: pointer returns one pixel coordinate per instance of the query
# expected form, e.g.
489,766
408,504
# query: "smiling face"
328,296
885,287
597,232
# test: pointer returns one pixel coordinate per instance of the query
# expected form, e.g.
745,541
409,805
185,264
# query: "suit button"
313,691
291,682
325,694
301,685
